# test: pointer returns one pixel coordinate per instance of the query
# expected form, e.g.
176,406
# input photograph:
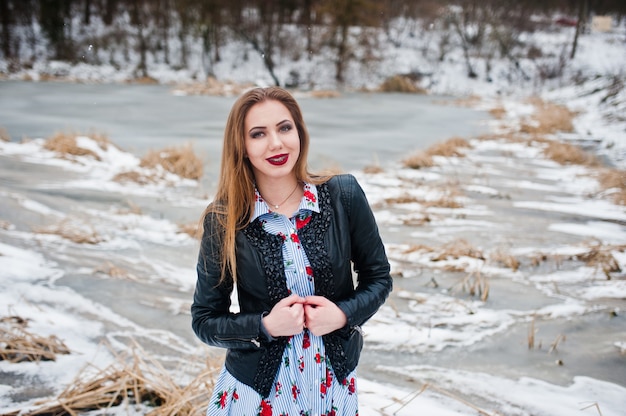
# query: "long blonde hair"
234,199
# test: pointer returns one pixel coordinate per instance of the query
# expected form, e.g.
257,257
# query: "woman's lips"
278,160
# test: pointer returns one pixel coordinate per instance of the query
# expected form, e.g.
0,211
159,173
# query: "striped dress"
305,384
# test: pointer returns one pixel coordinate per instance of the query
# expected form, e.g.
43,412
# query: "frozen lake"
510,200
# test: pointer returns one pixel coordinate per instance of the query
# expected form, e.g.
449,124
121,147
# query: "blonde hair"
234,199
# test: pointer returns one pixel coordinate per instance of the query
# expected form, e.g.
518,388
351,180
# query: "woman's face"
271,140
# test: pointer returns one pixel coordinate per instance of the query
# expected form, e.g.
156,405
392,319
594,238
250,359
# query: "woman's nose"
275,141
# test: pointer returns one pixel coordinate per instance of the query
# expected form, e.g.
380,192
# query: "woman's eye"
286,127
256,134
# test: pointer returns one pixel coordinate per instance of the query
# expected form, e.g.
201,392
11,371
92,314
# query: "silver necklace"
276,206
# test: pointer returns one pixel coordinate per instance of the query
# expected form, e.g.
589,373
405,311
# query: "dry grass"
505,259
400,83
133,379
190,229
4,135
214,87
144,81
446,201
70,231
458,248
114,271
402,199
324,94
373,169
476,285
615,181
568,154
18,345
418,160
600,257
135,177
418,247
549,118
65,144
449,148
404,401
531,335
181,161
497,112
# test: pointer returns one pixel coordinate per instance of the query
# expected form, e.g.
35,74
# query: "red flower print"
295,391
306,340
318,358
266,409
278,388
323,389
300,364
309,271
235,395
352,387
283,236
301,222
309,196
295,238
222,400
329,377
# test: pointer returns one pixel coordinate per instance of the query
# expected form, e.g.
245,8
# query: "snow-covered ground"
509,197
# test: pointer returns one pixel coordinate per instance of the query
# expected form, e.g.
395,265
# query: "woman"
285,240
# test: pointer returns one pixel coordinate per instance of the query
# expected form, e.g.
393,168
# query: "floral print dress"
305,384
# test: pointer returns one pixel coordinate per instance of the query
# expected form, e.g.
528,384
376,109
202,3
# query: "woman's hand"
286,317
322,316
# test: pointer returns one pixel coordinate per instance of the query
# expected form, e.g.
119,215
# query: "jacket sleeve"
212,320
374,282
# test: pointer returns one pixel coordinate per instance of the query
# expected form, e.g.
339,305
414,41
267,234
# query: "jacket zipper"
252,340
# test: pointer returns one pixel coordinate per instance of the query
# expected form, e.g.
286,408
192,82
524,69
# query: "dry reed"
66,144
531,335
325,94
400,83
549,118
373,169
404,401
475,285
72,232
181,161
190,229
114,271
4,135
614,180
213,87
135,177
17,344
568,154
497,112
450,148
456,249
506,259
418,160
600,257
134,379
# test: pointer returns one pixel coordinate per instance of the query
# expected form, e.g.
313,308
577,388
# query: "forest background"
190,36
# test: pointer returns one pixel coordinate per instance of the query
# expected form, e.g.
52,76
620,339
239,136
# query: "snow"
433,321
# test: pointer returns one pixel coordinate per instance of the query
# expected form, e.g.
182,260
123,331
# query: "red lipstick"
278,160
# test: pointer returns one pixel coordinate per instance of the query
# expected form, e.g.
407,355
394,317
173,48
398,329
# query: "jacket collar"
309,201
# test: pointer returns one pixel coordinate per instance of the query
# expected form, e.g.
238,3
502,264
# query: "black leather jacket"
343,231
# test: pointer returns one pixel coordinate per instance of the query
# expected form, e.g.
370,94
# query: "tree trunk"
6,29
87,12
580,25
